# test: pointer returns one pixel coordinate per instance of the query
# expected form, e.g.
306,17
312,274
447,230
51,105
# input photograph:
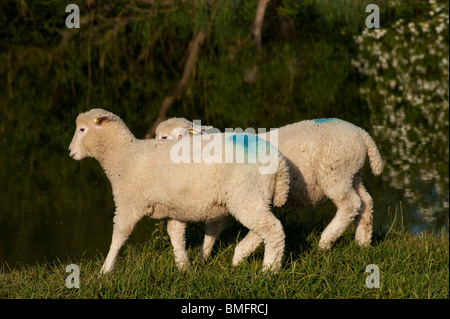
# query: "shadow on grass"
300,237
302,228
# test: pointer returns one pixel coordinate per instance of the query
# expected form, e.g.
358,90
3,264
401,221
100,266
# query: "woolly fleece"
145,182
325,158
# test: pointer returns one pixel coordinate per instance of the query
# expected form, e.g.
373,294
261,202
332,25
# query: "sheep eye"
164,137
82,129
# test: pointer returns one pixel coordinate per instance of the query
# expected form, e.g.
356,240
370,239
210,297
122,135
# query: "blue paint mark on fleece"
249,143
242,140
324,120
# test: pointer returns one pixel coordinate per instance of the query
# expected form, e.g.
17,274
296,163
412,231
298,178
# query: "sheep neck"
112,157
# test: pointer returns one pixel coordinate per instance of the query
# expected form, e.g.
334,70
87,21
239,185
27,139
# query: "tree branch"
258,22
188,68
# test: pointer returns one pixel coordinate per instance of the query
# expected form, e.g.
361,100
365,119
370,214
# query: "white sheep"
325,157
146,182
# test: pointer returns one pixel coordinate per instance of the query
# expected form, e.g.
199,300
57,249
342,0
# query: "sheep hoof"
324,245
363,244
183,267
269,269
104,272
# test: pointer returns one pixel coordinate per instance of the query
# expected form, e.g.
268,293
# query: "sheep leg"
176,230
213,230
363,232
261,222
246,246
348,206
123,226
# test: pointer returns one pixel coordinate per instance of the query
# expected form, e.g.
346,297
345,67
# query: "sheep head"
88,140
173,129
176,128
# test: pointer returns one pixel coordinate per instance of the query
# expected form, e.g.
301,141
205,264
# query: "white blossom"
407,66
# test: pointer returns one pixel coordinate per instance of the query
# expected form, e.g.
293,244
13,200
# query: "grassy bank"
410,267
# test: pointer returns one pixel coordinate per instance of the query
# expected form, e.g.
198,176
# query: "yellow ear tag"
100,119
192,131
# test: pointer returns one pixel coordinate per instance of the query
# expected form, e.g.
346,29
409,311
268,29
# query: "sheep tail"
282,180
376,163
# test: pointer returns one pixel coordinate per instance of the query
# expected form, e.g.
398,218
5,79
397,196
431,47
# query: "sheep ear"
202,128
192,131
205,127
101,119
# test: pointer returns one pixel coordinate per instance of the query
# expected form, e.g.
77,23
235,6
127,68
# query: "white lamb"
325,158
146,182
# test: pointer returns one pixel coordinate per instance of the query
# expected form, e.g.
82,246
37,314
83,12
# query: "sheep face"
176,128
176,134
99,132
83,138
173,129
77,148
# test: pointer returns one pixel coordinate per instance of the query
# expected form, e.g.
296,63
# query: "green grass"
410,267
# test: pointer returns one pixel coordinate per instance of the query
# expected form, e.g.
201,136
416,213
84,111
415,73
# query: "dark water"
53,207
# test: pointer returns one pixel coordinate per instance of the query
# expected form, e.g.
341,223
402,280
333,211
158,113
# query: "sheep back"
317,150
